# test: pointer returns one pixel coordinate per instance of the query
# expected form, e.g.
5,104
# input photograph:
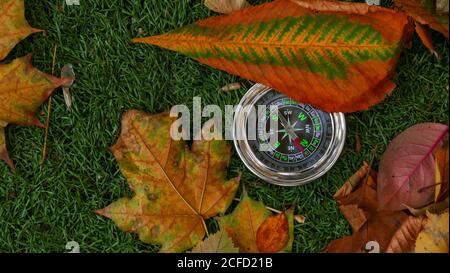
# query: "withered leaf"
13,26
226,6
176,188
23,89
243,223
404,239
434,236
219,242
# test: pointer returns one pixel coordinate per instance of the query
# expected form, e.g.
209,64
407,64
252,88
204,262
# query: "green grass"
43,207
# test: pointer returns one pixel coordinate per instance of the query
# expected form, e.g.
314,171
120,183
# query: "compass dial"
292,143
299,138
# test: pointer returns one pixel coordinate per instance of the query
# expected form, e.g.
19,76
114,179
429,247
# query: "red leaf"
407,168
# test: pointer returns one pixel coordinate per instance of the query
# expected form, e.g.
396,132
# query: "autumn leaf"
175,188
407,168
424,12
404,240
352,182
13,26
219,242
276,233
243,223
434,236
441,177
22,90
344,55
442,6
369,223
226,6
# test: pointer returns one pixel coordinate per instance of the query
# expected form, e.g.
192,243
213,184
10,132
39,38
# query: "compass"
285,142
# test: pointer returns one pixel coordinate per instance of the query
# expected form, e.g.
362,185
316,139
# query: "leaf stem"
49,112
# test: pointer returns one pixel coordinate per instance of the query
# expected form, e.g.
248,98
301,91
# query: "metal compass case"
303,146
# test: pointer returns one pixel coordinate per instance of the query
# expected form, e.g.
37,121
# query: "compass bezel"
269,174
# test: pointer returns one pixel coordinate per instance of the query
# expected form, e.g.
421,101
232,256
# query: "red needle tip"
299,145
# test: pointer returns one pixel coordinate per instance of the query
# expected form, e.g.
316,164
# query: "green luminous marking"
311,148
289,102
302,116
318,128
316,120
304,142
274,117
276,145
277,155
315,142
347,43
307,153
284,157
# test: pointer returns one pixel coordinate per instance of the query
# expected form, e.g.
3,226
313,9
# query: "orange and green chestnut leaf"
175,188
13,25
243,223
340,58
424,12
23,89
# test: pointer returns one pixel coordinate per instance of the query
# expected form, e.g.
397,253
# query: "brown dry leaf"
441,177
231,87
434,236
379,226
404,239
433,208
226,6
442,6
352,182
176,188
301,219
424,12
273,234
354,215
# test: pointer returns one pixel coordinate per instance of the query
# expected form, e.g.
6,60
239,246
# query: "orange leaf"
424,12
22,90
273,234
339,58
175,188
425,36
13,26
404,239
